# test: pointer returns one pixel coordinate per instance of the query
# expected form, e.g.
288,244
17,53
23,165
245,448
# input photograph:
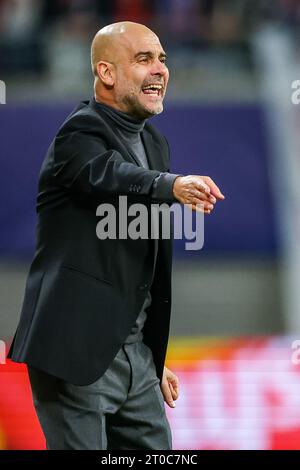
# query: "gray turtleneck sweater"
130,130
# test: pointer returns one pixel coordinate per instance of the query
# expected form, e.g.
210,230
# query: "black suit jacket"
83,294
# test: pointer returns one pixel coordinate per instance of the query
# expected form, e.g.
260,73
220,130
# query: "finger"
199,208
201,186
168,396
205,211
174,391
198,194
206,205
215,190
203,196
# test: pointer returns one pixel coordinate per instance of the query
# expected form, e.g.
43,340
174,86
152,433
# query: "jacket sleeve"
162,189
84,163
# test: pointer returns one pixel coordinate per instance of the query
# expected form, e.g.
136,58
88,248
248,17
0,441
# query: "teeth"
158,87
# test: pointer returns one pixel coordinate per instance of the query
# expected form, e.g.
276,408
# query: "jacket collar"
152,148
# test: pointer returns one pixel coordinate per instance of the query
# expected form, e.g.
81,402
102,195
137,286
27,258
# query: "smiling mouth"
153,90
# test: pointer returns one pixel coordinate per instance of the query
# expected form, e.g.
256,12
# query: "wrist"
176,183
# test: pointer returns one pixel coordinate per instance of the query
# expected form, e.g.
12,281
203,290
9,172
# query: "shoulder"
84,132
84,119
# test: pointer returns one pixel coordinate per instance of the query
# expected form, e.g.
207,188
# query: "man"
95,319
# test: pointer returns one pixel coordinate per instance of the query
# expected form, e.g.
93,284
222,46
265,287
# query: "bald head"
127,60
110,42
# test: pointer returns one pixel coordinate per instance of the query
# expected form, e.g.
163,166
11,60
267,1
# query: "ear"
105,72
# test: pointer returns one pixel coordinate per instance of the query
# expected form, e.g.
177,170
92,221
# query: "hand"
194,189
169,387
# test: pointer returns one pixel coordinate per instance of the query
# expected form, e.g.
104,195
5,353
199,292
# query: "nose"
158,68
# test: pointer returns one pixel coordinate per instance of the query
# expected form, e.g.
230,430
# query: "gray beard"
136,110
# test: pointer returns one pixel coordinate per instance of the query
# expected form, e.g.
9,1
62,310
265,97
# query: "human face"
142,77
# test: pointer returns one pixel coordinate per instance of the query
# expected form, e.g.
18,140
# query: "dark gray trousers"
124,409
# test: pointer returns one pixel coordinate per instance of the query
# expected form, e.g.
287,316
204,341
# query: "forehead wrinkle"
148,42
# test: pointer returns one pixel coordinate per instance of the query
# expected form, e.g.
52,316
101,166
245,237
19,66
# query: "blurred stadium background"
229,115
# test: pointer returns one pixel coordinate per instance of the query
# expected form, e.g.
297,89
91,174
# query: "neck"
123,120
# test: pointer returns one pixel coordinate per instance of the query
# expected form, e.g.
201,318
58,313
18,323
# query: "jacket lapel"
153,151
